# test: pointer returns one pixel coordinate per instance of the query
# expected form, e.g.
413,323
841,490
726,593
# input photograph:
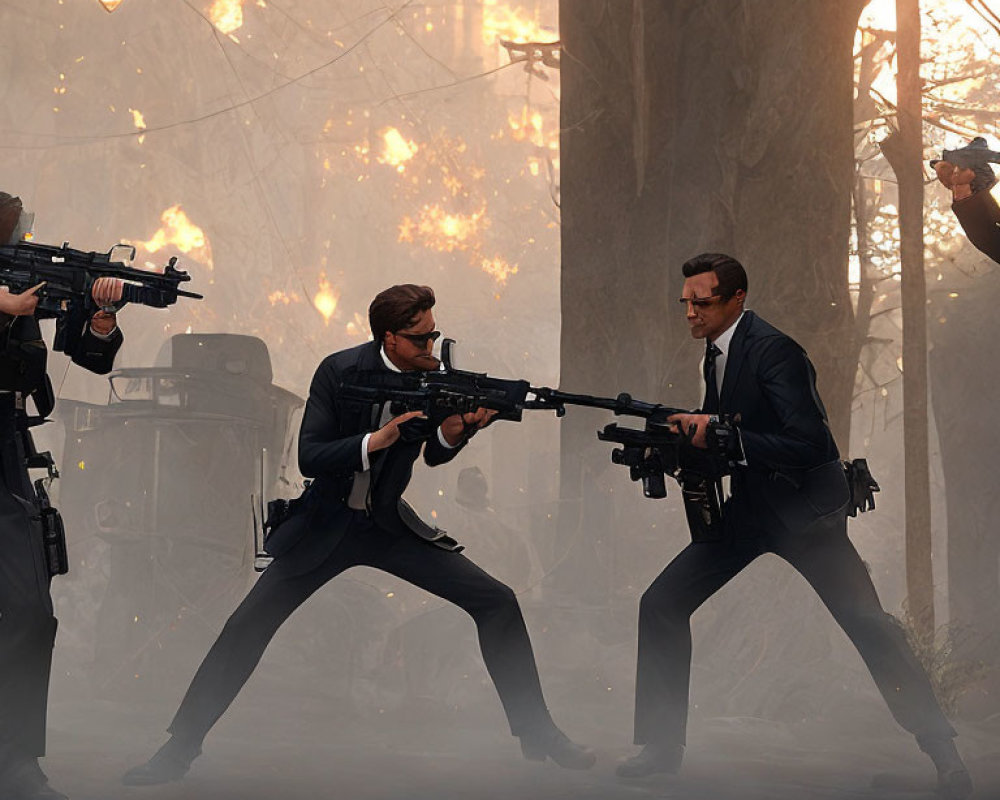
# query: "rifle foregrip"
147,296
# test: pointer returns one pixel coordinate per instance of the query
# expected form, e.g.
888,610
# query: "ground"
308,749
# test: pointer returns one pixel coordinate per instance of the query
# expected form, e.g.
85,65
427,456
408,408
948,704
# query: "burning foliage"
177,233
326,299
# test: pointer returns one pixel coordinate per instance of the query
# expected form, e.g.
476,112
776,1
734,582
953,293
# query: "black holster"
53,532
703,506
47,517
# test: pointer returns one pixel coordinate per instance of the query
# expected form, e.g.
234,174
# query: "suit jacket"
90,352
979,216
23,353
330,453
793,473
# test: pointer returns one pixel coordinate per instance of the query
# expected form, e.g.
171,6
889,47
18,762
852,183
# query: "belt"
10,401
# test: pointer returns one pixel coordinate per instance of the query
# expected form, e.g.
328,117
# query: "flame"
498,268
514,24
436,229
529,126
138,119
226,15
397,150
326,299
179,232
281,297
110,5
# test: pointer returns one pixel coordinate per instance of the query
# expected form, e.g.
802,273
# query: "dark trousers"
492,605
27,626
825,557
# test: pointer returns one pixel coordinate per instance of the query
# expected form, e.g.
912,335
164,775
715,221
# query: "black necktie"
711,404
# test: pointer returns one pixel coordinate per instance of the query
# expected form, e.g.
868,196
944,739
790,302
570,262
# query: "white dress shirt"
722,342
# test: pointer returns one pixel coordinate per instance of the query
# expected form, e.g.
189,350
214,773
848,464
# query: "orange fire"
111,5
501,21
498,268
226,15
437,229
396,150
283,297
325,300
529,126
180,233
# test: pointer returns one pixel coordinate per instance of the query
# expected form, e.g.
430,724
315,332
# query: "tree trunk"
904,150
962,376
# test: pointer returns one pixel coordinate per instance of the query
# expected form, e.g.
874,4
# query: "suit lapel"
735,360
371,360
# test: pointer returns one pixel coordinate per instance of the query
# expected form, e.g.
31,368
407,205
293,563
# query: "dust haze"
299,156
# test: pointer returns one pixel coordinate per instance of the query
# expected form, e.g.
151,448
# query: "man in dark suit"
27,623
789,497
354,515
973,204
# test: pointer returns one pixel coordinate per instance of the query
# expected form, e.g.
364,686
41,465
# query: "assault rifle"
442,393
659,449
650,454
447,391
69,275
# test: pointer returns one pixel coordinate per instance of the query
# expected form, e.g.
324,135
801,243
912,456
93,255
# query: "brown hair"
727,269
10,215
394,308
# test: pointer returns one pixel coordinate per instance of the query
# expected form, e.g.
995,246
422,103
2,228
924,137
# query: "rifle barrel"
623,404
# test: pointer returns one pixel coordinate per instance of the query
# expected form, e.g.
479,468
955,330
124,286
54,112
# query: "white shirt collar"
393,367
388,363
722,342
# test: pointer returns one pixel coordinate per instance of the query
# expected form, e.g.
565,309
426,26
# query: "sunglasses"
420,339
701,302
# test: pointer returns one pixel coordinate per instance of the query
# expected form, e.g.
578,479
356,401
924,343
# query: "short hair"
732,277
395,308
10,216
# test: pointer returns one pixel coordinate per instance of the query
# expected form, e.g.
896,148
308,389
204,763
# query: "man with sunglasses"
789,497
361,466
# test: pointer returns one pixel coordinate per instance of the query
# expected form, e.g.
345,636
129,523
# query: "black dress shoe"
653,758
954,782
550,742
170,763
26,781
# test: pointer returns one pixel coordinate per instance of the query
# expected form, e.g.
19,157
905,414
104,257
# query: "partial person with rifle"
789,496
967,173
352,446
32,549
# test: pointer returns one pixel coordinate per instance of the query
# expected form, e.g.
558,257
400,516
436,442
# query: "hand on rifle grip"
388,434
19,305
463,426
